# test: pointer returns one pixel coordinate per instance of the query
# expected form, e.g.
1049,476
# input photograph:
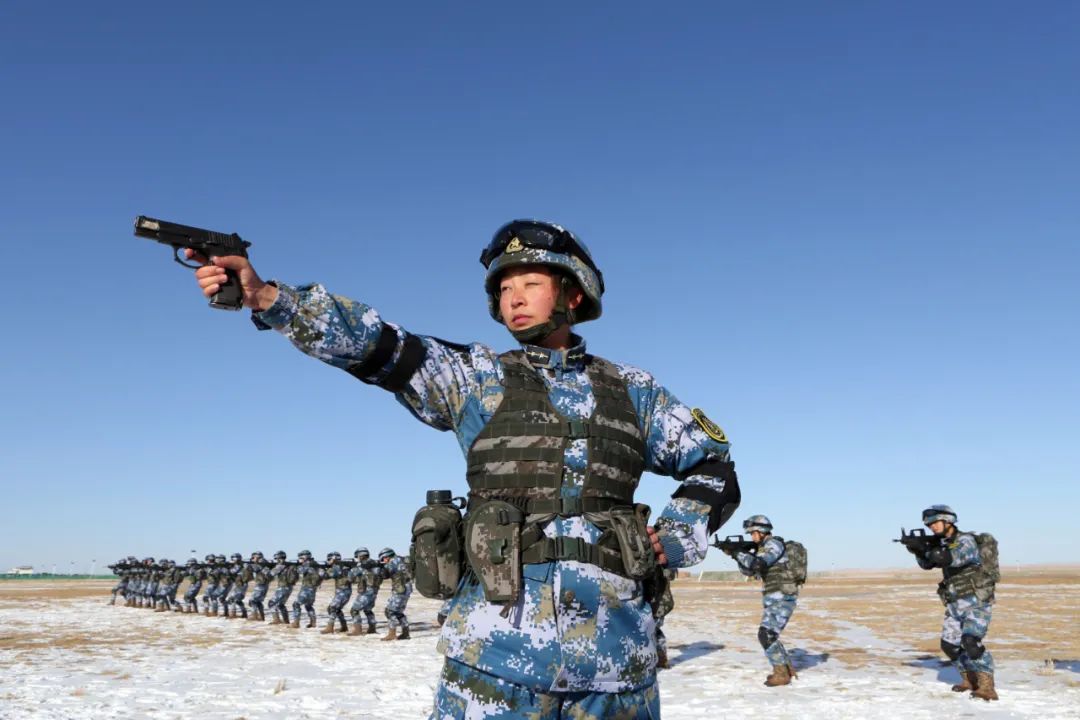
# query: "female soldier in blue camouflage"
552,621
779,593
967,591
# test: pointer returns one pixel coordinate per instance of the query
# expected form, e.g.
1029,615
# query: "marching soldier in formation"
241,573
366,576
194,574
397,571
261,576
213,581
286,575
337,572
310,579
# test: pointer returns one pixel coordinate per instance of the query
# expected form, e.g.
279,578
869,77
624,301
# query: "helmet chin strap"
561,315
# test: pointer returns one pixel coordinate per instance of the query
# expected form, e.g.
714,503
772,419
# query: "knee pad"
952,651
766,637
972,646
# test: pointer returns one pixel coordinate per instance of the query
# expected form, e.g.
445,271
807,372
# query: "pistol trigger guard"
176,257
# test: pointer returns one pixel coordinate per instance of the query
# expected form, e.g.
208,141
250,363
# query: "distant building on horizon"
21,570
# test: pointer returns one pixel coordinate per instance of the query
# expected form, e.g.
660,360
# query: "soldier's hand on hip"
257,294
654,538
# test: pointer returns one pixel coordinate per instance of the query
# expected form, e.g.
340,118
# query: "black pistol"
205,242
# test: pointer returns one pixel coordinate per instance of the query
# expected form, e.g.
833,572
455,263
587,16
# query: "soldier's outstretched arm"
684,444
433,378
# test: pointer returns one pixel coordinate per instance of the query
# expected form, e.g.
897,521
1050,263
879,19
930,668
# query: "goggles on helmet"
541,236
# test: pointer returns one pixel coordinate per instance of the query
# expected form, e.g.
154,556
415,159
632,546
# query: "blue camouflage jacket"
575,627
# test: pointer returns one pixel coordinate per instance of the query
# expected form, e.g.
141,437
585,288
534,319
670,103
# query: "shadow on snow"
946,673
694,650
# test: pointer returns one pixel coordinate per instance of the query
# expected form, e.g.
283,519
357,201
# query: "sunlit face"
528,295
757,536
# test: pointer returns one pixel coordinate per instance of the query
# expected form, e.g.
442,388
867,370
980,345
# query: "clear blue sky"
848,231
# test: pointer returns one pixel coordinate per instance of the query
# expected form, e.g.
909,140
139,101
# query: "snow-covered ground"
69,655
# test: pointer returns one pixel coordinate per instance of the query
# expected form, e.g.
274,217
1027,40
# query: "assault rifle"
207,243
733,544
918,541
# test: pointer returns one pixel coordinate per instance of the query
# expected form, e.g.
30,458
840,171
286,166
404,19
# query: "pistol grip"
229,296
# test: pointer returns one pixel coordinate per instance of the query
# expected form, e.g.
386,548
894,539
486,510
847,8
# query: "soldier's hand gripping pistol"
918,541
207,243
733,544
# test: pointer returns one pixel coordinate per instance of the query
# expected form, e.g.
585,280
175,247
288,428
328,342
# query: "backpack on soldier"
796,555
988,555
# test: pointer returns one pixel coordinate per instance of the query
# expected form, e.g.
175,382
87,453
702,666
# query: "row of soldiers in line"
969,565
152,584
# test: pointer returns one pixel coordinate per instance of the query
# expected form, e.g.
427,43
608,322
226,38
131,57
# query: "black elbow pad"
722,504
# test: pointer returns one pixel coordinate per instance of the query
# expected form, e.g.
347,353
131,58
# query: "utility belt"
498,536
958,586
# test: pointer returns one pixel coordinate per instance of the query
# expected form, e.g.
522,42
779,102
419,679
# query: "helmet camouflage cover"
517,253
938,512
757,522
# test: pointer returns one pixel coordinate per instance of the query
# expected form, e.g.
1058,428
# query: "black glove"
939,557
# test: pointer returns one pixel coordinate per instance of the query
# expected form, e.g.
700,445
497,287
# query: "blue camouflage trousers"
341,596
306,599
121,587
167,595
192,593
966,622
465,693
364,602
277,602
395,608
209,597
238,592
258,594
778,610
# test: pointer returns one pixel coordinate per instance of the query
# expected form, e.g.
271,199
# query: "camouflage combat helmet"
209,558
219,559
361,551
757,522
332,556
386,554
280,556
256,556
236,557
304,555
534,242
192,561
938,512
148,561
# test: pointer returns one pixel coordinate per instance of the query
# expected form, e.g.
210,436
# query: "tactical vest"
309,577
780,576
341,578
519,457
968,580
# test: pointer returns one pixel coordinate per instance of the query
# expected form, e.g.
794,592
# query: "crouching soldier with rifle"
969,564
781,565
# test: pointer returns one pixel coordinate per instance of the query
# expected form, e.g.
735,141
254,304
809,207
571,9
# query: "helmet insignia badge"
514,246
711,429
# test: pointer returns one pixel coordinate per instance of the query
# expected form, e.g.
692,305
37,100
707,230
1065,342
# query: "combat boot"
344,625
295,624
781,675
276,619
311,622
214,612
984,686
356,629
206,611
371,628
328,629
966,683
404,634
391,634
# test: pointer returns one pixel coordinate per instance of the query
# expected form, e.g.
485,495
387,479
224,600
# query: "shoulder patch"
711,429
